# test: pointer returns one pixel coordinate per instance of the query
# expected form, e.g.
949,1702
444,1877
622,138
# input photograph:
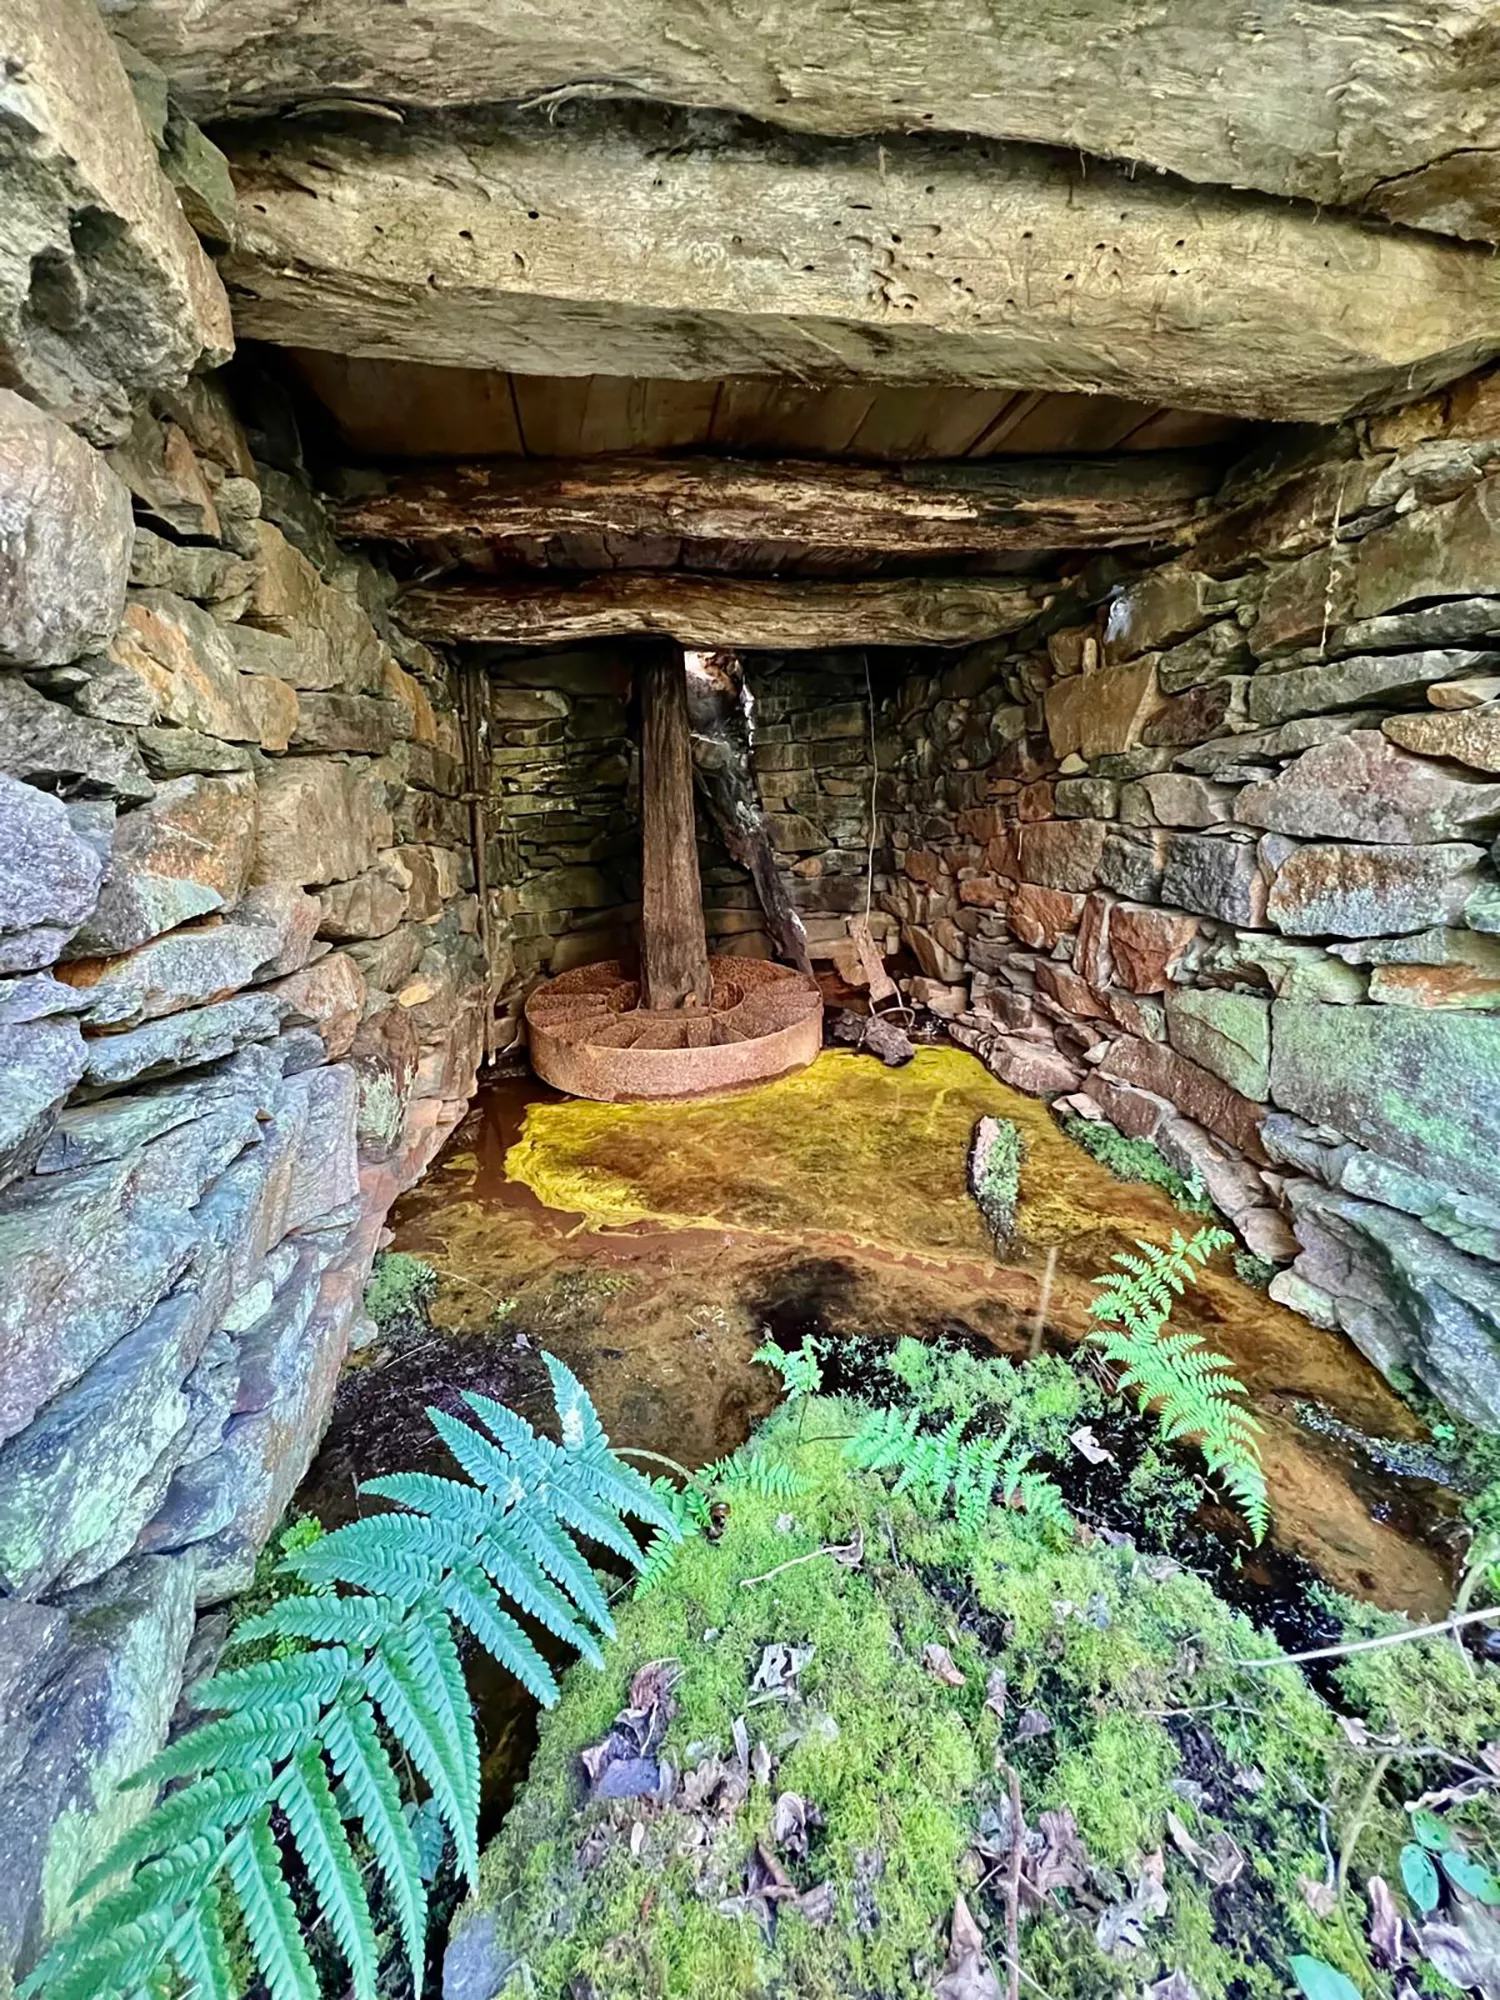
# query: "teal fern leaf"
371,1636
1192,1391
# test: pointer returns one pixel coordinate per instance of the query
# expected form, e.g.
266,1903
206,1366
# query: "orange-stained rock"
1039,917
985,892
1064,986
1147,945
328,996
923,866
1062,853
1101,714
1197,1094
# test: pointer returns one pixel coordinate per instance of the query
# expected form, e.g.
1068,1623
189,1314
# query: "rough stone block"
1039,917
49,877
1097,714
1356,681
1195,1091
1177,799
44,743
185,853
1148,945
1199,714
187,670
1131,865
95,240
321,820
1214,876
182,1041
1347,890
327,996
1227,1033
1062,854
65,537
1362,787
1469,736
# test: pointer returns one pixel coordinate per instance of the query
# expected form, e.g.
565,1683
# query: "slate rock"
328,996
49,877
112,1128
1214,876
1356,681
1469,736
1419,1086
1363,787
1102,713
1197,1093
40,1062
1269,745
1178,799
1147,945
1062,853
1291,971
183,1041
1131,865
65,532
185,853
187,669
368,907
208,575
1348,890
35,997
45,743
1227,1033
175,753
185,968
321,820
1200,713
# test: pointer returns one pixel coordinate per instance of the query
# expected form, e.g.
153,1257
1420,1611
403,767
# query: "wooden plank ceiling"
390,413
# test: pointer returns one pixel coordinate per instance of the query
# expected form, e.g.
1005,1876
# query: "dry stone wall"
1211,853
240,988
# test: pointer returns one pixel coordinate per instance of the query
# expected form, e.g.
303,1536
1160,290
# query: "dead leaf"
1033,1723
741,1737
939,1663
779,1667
1088,1446
1190,1791
1357,1732
851,1553
968,1975
817,1904
994,1692
1467,1948
1319,1897
1063,1862
1385,1922
637,1838
714,1786
791,1821
762,1763
1120,1930
1176,1986
1221,1862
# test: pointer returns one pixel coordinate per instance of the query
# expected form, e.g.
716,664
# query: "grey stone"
1177,799
44,743
1362,787
35,997
1348,683
1219,759
111,1128
182,855
1343,889
1292,971
1408,1300
40,1062
1086,798
49,877
177,753
183,1041
321,820
1417,1085
188,570
105,293
1469,1221
188,668
368,907
358,723
65,531
1226,1033
1209,655
102,1714
186,968
1132,866
1214,876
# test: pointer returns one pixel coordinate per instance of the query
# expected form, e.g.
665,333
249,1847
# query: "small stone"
1362,787
183,1041
367,907
353,723
1292,971
179,753
187,968
1219,760
1148,945
1086,798
1131,865
40,1061
328,996
1347,890
1177,799
1168,603
1200,713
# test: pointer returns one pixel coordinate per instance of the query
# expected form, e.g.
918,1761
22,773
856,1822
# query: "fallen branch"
851,1554
1369,1645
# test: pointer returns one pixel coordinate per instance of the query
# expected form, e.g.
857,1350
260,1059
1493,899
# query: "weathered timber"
674,945
1035,503
639,242
724,767
724,611
1397,107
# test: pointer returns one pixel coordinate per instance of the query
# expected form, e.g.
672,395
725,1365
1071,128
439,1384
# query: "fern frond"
513,1571
551,1548
757,1473
393,1686
469,1595
320,1616
273,1683
237,1739
364,1770
199,1950
254,1864
450,1500
661,1558
212,1805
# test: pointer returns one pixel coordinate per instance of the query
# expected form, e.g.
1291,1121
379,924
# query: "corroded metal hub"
591,1036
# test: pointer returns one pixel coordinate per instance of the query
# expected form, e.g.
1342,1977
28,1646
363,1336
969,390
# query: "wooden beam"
633,242
728,612
1392,106
929,509
674,946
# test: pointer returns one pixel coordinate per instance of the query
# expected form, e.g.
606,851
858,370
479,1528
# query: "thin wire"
874,782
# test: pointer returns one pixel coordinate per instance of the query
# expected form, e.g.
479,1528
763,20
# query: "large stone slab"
1407,1298
187,968
1420,1086
1364,787
1195,1091
1264,746
183,1041
1062,853
1227,1033
321,820
1469,736
1148,945
65,539
1357,681
105,293
49,877
185,853
1445,551
1101,713
1347,890
48,744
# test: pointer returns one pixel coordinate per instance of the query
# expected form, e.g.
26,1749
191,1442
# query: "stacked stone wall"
1211,853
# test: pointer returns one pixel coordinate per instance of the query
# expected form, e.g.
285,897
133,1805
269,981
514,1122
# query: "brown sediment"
650,1245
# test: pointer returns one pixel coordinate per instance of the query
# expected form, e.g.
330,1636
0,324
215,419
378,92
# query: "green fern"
939,1467
800,1370
691,1505
368,1673
1193,1391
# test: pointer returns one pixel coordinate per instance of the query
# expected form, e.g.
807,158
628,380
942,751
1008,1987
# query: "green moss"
400,1289
1124,1667
1137,1160
1257,1272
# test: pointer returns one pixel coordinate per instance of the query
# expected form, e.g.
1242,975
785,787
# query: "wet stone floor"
653,1247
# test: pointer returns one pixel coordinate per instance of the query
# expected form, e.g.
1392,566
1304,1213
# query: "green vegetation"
375,1669
1190,1388
1256,1272
842,1687
1137,1160
399,1292
995,1155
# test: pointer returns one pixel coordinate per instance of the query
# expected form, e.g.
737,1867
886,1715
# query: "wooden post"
674,946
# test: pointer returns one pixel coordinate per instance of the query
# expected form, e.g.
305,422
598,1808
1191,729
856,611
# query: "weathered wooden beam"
724,611
674,945
1394,106
933,509
636,242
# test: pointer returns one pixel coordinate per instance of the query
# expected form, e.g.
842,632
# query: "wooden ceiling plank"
801,615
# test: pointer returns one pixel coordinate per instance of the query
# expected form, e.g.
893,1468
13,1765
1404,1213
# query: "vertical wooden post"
674,945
